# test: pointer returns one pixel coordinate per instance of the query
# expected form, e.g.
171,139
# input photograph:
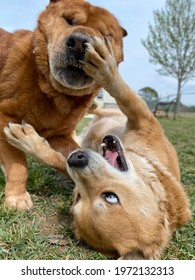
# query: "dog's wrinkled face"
115,211
68,26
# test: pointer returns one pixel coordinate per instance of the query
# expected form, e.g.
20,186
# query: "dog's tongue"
111,158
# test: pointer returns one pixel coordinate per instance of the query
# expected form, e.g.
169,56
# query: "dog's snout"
78,159
76,44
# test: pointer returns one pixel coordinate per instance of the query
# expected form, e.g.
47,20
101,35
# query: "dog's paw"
24,137
99,62
20,201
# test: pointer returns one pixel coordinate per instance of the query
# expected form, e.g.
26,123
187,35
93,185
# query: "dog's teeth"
103,145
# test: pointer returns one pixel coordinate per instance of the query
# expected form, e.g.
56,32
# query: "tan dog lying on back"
128,202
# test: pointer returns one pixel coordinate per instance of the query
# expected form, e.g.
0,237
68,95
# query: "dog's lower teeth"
78,66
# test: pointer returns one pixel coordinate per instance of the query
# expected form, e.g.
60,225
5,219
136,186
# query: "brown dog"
129,201
42,82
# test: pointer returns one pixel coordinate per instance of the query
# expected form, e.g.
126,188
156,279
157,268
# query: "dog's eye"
111,198
78,197
69,21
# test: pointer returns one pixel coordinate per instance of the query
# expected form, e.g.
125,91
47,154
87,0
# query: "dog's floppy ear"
134,254
124,32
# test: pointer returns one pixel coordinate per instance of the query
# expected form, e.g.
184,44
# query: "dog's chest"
60,116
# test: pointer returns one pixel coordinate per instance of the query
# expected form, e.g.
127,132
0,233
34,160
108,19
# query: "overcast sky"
134,16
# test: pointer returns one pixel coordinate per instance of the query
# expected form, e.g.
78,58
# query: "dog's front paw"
100,62
24,137
20,201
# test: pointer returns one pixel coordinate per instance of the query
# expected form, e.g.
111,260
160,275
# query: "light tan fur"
147,202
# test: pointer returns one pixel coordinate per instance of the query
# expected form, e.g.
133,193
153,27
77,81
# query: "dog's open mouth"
73,75
73,71
77,69
113,152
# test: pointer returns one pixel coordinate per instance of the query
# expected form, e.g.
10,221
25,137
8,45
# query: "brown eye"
70,21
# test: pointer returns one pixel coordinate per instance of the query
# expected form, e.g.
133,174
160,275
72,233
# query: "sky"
134,16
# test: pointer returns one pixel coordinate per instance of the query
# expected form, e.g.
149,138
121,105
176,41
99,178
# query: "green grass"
24,235
181,133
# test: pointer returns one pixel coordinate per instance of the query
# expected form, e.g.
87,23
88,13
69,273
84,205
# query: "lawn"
30,234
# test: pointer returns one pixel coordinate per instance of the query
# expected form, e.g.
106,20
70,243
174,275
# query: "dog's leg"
100,64
14,166
25,138
62,144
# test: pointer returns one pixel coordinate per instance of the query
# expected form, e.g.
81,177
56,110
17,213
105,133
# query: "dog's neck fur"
155,171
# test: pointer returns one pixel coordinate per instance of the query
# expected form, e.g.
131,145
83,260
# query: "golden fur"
128,206
41,82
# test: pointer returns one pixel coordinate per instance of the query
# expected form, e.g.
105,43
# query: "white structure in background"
105,100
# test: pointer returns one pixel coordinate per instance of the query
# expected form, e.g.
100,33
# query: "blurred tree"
171,42
149,95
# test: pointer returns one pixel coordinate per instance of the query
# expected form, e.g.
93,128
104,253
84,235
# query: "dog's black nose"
76,44
78,159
